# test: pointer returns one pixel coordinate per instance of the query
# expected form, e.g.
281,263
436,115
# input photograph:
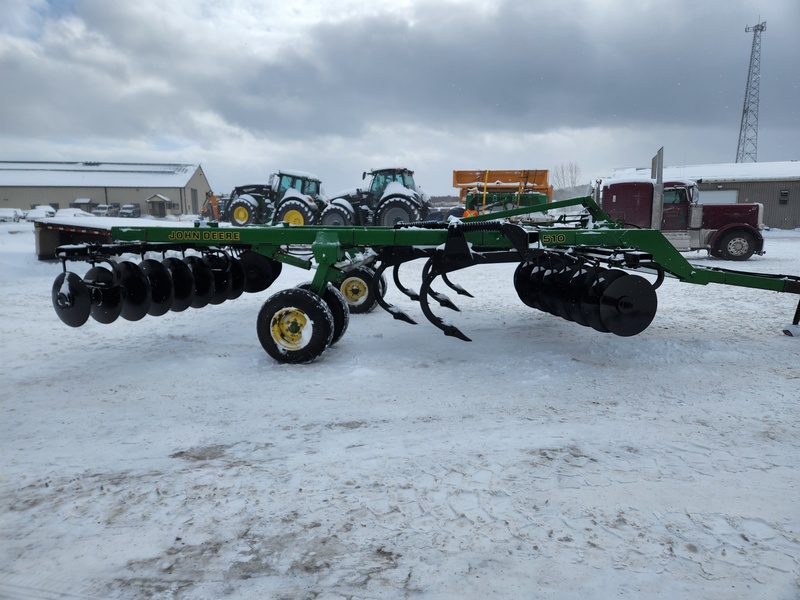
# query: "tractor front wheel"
336,216
397,210
295,326
241,213
296,212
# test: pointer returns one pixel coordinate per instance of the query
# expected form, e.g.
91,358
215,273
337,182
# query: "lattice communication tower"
748,131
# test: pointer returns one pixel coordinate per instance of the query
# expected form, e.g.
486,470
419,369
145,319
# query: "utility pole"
748,131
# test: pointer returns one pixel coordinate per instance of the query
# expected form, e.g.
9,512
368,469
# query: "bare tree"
565,175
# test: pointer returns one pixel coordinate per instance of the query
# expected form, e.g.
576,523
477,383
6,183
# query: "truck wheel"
241,213
397,210
357,289
336,216
736,245
295,326
296,212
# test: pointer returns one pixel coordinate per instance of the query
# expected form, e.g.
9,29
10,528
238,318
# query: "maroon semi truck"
727,231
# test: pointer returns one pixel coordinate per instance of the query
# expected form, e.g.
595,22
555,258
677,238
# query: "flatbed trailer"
583,268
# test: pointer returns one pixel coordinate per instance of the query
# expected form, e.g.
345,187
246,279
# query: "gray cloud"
542,69
116,72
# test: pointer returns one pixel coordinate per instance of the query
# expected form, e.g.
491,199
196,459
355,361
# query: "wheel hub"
294,217
354,290
240,214
737,247
287,328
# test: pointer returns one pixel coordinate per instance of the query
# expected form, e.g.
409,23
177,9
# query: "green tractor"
391,197
290,196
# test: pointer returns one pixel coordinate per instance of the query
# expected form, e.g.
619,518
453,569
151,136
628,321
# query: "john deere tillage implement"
581,268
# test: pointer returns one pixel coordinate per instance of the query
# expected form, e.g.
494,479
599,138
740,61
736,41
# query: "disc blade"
71,299
590,300
221,272
203,281
136,294
161,292
628,305
580,282
540,266
549,292
106,294
237,279
522,285
182,283
258,271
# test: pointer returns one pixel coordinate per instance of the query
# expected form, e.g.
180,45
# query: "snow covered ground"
171,458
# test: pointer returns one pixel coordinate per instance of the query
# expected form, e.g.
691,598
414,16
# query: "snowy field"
171,458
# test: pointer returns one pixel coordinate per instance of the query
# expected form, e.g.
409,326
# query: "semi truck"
727,231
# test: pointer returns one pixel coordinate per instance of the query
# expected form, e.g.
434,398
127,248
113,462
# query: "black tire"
397,210
295,326
358,290
339,309
382,284
296,212
241,212
336,216
735,245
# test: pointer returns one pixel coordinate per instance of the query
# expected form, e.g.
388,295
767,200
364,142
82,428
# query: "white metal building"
158,189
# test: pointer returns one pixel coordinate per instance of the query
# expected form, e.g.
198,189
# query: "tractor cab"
302,182
381,178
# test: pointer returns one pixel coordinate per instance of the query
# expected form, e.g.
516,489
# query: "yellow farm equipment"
486,191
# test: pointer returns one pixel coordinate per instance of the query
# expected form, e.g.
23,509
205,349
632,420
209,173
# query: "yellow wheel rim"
294,217
287,328
241,214
354,290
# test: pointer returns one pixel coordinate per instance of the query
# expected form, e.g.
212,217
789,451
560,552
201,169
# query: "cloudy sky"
334,87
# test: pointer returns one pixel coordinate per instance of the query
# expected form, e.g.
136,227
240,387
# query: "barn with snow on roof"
160,189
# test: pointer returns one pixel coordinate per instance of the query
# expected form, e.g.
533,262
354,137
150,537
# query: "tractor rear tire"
241,212
295,326
336,216
397,210
735,245
296,212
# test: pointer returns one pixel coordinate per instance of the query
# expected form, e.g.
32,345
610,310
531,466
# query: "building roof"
95,174
763,171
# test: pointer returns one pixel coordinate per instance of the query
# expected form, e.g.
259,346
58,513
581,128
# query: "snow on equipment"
292,196
392,196
580,267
